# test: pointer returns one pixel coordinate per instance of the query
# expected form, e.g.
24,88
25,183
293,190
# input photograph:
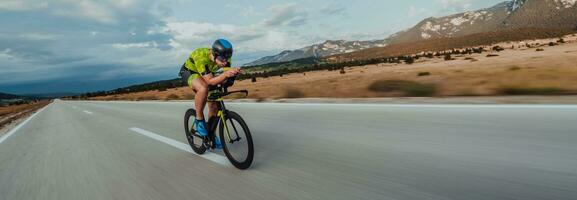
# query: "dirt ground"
517,67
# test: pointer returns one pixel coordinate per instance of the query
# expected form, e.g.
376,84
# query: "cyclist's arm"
211,80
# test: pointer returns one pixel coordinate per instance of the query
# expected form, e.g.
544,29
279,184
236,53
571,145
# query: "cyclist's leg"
212,109
201,89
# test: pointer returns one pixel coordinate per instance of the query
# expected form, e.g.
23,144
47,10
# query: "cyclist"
199,73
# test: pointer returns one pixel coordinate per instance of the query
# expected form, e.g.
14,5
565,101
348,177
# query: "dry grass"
13,109
11,113
553,68
291,93
147,97
7,110
172,97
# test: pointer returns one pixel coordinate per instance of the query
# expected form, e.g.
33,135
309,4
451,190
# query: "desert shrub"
478,50
514,68
552,44
492,55
424,74
409,60
448,57
342,71
408,88
561,40
509,90
293,93
540,49
498,48
172,97
253,79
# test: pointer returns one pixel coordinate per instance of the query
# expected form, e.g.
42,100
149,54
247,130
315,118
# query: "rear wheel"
236,140
195,141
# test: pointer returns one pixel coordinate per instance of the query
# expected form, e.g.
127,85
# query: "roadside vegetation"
277,73
16,111
516,90
404,87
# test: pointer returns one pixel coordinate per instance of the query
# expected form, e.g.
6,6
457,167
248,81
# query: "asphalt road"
92,150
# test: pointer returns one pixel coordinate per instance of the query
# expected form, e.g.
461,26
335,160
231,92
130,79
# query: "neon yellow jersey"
199,62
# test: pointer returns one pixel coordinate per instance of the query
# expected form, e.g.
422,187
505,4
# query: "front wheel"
194,140
236,140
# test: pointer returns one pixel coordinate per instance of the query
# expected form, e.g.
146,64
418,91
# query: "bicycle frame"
221,114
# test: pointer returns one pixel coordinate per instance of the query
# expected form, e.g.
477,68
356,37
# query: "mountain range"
35,96
9,96
509,15
329,47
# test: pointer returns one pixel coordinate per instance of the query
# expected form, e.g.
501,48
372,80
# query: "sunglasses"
222,59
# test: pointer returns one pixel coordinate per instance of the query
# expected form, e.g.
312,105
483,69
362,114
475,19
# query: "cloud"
152,44
251,38
19,5
286,15
417,12
455,5
110,41
88,9
59,40
334,10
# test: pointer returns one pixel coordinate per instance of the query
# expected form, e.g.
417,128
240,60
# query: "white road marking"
182,146
4,137
87,112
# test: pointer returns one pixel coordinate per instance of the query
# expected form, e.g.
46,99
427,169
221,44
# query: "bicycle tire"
200,149
240,164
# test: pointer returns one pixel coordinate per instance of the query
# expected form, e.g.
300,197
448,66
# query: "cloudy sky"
82,45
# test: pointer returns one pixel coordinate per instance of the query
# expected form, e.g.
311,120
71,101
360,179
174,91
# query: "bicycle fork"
226,128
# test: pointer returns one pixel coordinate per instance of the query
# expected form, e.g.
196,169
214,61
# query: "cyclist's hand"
232,72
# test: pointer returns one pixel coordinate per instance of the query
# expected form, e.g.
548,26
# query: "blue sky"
80,46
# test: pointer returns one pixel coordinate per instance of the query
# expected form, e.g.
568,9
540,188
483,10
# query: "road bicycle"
233,131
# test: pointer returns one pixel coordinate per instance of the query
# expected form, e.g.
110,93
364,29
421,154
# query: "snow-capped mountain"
327,48
554,14
512,6
559,14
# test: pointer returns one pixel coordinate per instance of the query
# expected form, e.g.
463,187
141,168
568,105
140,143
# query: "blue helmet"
222,48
